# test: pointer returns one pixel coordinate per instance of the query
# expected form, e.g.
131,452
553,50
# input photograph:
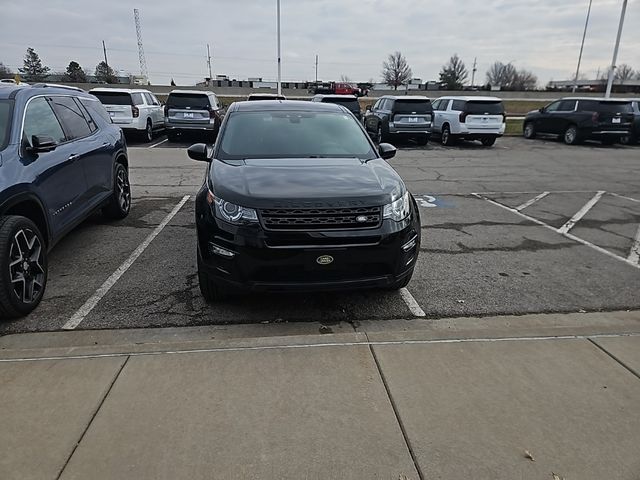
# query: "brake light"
135,111
463,117
595,117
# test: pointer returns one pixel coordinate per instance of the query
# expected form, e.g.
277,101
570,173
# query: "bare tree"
396,70
624,72
345,78
502,75
454,74
525,80
5,72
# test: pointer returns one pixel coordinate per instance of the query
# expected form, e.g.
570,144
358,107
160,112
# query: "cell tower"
143,61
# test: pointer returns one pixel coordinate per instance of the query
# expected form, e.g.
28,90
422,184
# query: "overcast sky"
351,37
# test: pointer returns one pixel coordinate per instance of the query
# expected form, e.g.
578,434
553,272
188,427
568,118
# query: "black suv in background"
349,101
409,116
192,111
634,137
577,119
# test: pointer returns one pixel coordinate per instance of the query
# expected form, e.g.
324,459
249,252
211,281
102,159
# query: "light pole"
279,58
584,34
615,50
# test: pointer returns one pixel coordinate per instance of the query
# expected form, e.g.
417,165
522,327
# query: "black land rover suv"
578,119
297,197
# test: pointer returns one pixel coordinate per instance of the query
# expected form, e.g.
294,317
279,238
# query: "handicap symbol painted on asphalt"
428,201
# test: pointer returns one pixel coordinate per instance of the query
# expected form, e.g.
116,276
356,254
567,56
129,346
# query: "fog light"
223,252
410,244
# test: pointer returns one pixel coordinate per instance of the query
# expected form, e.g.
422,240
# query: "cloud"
351,37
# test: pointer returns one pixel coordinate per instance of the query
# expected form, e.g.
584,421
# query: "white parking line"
90,304
567,235
581,213
634,254
626,198
159,143
528,203
411,303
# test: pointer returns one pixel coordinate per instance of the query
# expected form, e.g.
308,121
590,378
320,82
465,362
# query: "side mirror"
41,144
387,151
368,109
201,152
542,109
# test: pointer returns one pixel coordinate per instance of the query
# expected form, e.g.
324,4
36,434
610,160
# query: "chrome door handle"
74,157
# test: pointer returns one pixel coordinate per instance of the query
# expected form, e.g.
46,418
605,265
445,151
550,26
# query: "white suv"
134,110
469,118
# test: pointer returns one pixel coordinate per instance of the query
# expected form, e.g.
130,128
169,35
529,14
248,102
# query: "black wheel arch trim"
24,197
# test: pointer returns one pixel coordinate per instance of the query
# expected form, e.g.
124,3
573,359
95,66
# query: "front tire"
120,201
23,266
570,136
446,138
147,134
529,131
209,289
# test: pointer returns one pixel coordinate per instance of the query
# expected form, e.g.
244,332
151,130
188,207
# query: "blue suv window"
40,120
5,122
71,117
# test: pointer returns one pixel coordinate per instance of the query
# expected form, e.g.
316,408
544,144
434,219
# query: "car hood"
305,182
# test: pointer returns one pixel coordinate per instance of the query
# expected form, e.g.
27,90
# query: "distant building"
628,86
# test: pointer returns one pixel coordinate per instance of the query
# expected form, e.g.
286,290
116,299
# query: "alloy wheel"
379,136
123,189
26,272
149,132
570,136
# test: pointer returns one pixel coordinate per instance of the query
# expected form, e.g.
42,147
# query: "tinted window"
113,98
39,119
567,106
378,105
444,104
412,106
484,108
458,105
71,117
604,107
5,122
92,124
148,98
553,107
96,108
351,103
193,100
293,135
137,99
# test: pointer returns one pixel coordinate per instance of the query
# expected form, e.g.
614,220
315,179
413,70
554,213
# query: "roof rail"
55,85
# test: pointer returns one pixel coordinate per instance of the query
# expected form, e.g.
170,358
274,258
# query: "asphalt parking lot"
523,227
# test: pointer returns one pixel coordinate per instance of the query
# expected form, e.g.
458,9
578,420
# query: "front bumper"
264,260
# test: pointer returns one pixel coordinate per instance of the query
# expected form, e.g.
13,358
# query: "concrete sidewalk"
415,399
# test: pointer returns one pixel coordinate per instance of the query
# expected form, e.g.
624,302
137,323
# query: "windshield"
191,100
5,122
113,98
293,134
484,108
412,106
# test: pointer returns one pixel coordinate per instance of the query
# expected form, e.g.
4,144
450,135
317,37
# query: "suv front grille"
321,218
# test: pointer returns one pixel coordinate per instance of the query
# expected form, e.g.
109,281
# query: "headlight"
230,212
398,210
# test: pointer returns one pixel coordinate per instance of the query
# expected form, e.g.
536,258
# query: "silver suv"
192,110
134,110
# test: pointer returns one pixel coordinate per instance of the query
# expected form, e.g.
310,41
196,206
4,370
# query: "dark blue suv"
61,159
